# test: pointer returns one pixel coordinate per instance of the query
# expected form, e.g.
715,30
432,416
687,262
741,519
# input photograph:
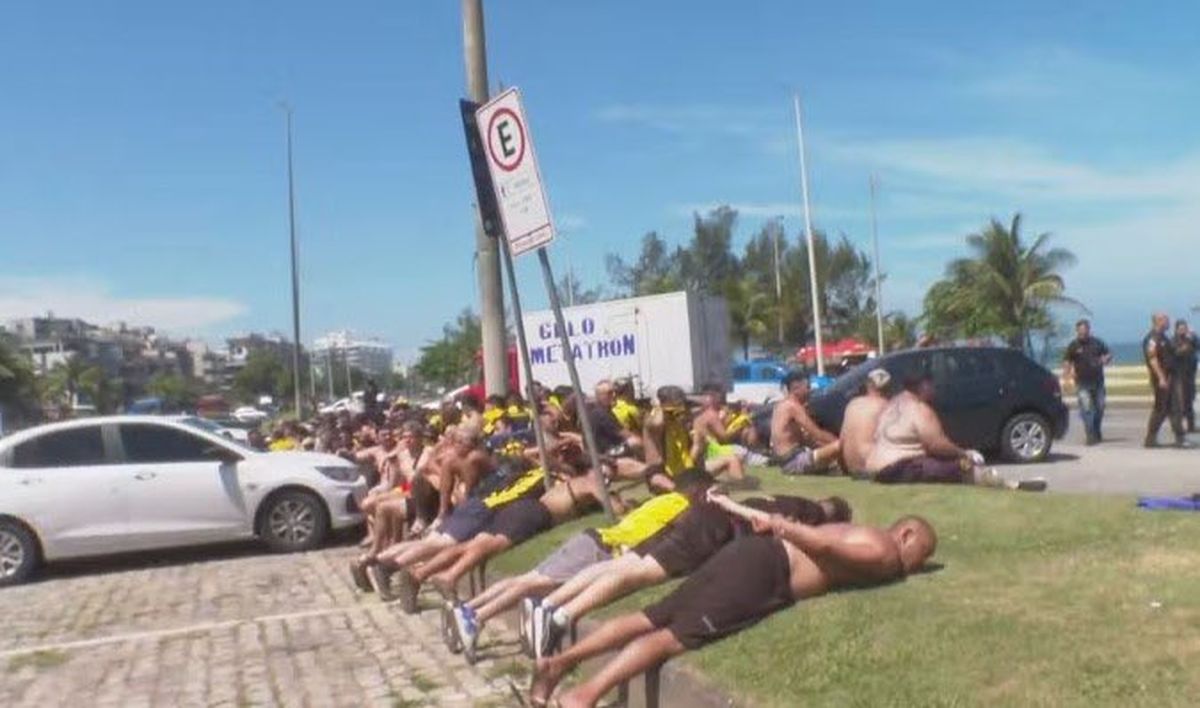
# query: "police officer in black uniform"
1186,343
1160,360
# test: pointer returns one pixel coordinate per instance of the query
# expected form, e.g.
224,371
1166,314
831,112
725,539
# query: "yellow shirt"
516,490
737,422
643,522
677,441
490,417
628,415
283,445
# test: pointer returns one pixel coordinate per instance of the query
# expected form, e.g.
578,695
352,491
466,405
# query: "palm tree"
749,311
1015,282
62,384
18,387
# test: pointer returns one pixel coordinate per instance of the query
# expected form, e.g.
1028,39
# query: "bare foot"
546,675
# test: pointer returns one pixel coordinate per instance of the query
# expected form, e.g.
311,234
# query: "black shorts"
746,581
467,520
695,536
521,520
924,470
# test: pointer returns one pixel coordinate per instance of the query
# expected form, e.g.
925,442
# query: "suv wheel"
1026,438
18,553
293,521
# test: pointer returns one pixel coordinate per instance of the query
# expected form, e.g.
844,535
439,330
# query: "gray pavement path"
232,627
1119,465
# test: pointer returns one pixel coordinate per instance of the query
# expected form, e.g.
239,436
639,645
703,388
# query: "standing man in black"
1186,344
1160,360
1084,362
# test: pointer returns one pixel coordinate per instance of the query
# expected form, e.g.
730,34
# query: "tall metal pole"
329,368
295,266
349,380
878,285
585,420
777,227
808,229
491,287
538,434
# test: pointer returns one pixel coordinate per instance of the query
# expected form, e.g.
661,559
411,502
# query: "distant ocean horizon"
1126,352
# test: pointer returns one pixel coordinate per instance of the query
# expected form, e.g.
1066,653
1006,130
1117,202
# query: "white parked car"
130,483
239,434
249,414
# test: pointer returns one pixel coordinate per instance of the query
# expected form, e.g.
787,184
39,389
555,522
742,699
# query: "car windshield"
210,427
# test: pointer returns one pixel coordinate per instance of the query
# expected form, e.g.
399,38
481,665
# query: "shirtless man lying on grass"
583,550
695,537
749,579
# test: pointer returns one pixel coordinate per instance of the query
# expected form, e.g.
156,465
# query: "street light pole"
878,285
808,229
287,109
491,287
777,227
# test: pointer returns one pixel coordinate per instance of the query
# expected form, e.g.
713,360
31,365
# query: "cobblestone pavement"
233,627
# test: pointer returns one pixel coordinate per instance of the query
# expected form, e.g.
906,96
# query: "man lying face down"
747,580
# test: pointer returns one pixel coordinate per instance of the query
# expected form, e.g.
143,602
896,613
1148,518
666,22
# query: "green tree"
265,374
1006,287
61,384
750,312
103,391
656,270
450,361
177,392
18,385
572,292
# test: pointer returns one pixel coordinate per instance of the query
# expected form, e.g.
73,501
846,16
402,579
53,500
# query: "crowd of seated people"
456,486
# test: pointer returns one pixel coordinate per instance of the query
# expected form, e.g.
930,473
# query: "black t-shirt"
1185,352
1087,358
1162,351
606,428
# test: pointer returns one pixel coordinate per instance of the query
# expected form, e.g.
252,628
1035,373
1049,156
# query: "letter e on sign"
512,164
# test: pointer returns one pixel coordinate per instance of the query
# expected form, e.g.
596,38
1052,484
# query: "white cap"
879,377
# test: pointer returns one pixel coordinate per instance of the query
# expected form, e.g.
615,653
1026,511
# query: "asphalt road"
1119,465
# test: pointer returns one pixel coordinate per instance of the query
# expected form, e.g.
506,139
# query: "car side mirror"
222,454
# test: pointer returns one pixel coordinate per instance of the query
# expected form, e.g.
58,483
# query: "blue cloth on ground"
1178,503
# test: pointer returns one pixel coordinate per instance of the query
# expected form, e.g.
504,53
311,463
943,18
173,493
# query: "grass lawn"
1042,600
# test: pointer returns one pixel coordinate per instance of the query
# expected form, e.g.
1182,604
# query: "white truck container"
679,339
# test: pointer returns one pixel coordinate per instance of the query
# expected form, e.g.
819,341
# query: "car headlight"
340,473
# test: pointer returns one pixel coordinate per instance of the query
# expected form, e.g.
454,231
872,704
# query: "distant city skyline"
143,179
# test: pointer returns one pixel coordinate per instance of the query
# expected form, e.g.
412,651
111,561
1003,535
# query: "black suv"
990,399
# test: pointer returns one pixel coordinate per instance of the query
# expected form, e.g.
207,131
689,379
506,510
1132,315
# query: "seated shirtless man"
394,505
749,579
800,445
581,551
687,544
711,439
911,446
860,421
459,469
512,525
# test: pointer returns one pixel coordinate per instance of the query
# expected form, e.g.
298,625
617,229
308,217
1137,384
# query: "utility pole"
287,109
777,227
491,287
872,181
812,256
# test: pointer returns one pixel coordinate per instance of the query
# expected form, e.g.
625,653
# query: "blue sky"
141,146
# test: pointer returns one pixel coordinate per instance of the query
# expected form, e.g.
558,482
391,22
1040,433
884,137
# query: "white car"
249,414
131,483
239,434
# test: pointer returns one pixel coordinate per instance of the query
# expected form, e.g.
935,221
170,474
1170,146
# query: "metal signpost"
503,143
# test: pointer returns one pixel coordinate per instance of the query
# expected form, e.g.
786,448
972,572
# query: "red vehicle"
479,388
